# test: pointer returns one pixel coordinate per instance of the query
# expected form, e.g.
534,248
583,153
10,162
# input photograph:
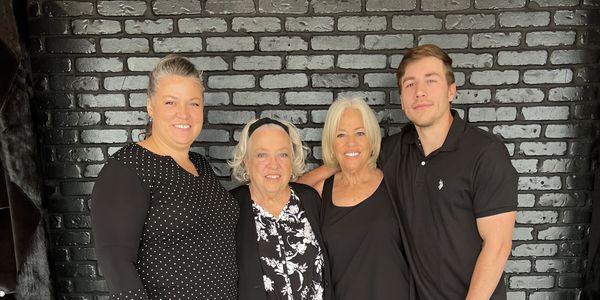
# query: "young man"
452,184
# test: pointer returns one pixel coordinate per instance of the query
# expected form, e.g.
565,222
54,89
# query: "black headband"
263,121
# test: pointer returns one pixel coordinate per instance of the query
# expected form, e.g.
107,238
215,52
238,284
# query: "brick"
524,19
292,116
517,131
537,217
531,282
335,6
551,3
121,8
86,26
231,81
540,183
242,43
522,58
334,80
97,136
525,200
550,38
124,45
216,99
495,40
586,112
496,4
126,117
471,60
256,98
362,61
570,281
99,64
491,114
77,83
282,81
372,98
201,25
48,64
522,234
546,113
478,21
160,26
256,24
543,148
68,8
213,135
561,200
412,22
230,117
67,205
126,83
102,100
561,233
209,63
69,119
517,266
77,222
49,26
370,23
309,24
56,45
90,285
310,134
472,96
257,63
548,76
433,5
176,7
390,5
63,172
445,41
347,42
494,77
520,95
570,57
308,98
318,116
229,6
380,80
389,41
142,64
557,295
566,131
283,7
92,170
535,250
220,152
563,165
184,44
309,62
282,43
571,94
577,17
72,238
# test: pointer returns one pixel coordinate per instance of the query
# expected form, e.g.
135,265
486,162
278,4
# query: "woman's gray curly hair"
240,152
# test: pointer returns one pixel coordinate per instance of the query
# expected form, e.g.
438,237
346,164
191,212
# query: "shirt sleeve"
118,210
495,182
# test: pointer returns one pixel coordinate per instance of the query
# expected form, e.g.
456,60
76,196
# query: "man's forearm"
488,271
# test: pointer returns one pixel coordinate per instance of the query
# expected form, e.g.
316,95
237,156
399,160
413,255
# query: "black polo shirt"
439,197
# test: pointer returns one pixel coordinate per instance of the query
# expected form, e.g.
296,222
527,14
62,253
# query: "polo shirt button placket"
422,163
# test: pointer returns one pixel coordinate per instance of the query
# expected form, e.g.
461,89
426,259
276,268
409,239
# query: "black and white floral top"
290,257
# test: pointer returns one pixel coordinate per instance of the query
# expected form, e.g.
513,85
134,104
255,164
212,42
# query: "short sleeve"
495,182
118,210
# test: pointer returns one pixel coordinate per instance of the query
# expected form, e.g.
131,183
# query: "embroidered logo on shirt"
440,185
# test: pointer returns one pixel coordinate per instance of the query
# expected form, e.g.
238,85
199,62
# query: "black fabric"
439,198
263,121
591,288
251,286
365,248
161,232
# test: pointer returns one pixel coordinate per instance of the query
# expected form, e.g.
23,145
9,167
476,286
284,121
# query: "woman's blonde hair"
332,120
240,152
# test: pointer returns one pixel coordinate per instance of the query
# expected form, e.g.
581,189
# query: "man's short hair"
427,50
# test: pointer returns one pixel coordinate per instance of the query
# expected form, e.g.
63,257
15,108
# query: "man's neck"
433,137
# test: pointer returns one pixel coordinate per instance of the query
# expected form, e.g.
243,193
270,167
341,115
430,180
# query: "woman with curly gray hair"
280,249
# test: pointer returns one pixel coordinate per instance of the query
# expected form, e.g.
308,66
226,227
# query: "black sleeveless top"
365,249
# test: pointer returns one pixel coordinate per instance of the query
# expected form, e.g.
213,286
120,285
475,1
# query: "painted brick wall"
527,71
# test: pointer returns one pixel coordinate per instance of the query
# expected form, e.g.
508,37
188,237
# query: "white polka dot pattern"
187,248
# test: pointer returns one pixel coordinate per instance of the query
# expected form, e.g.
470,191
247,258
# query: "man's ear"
451,92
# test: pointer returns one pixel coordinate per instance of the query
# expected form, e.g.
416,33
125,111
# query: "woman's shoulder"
131,152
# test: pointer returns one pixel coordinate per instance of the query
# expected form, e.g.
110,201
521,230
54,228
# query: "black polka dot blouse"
161,232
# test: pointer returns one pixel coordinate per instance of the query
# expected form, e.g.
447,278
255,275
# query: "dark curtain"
24,272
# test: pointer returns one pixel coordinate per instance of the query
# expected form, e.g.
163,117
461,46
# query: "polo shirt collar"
452,139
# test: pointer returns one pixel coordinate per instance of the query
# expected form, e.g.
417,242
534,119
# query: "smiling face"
352,148
269,159
176,111
426,94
